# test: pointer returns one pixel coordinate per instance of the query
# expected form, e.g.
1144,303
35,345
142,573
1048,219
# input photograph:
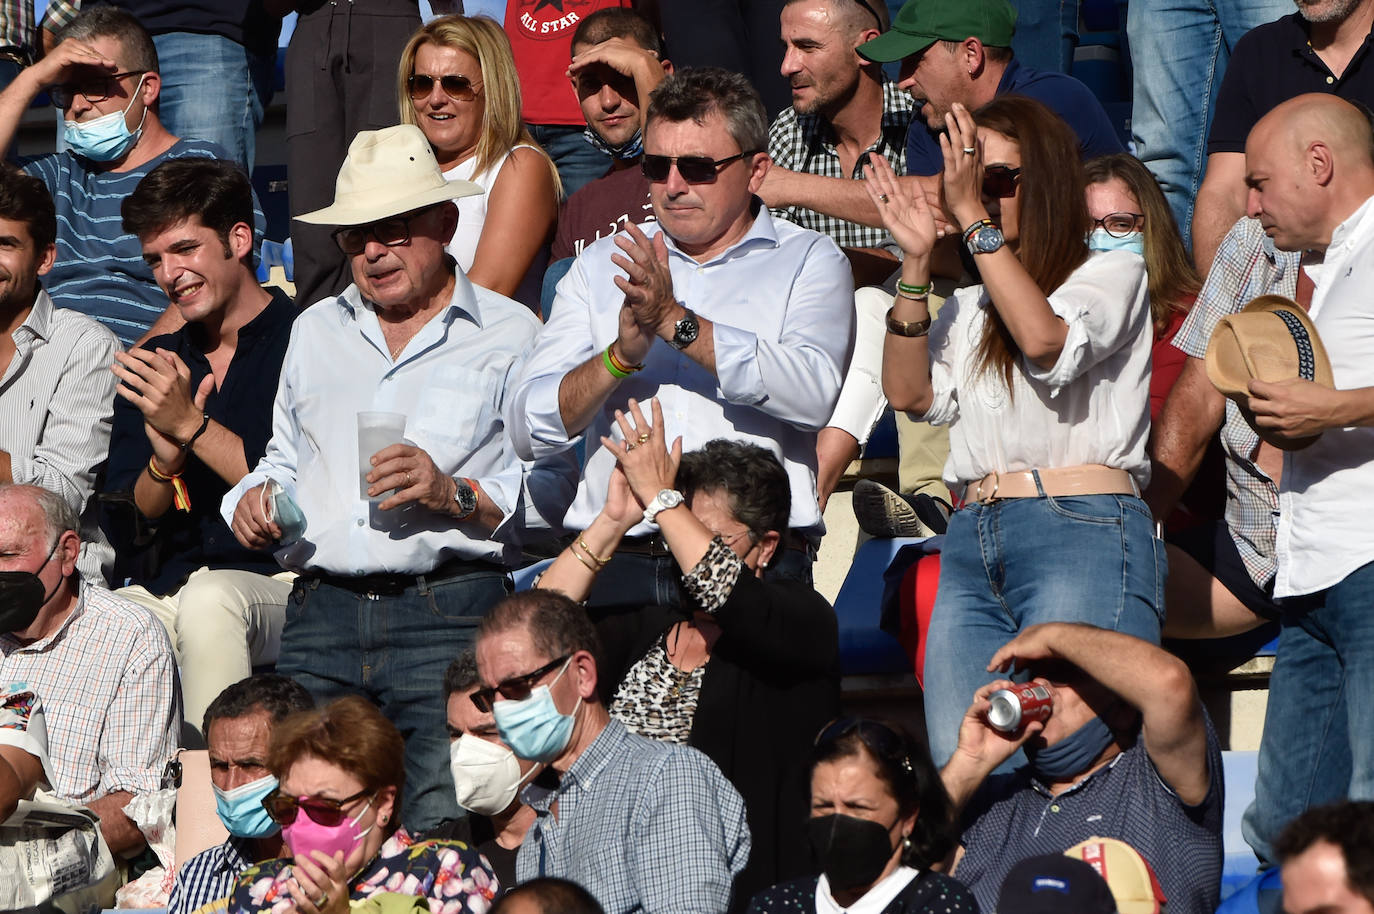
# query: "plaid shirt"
210,875
17,28
1246,266
806,143
643,825
109,688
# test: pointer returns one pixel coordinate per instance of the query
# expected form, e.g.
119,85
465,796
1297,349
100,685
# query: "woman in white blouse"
1042,375
457,83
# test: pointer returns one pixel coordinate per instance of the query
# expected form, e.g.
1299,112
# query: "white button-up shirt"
781,302
1326,498
1091,407
450,381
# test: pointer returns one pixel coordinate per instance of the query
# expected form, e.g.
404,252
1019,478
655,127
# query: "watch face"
986,240
685,331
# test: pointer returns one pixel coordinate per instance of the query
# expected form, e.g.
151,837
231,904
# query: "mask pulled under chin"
633,148
852,852
1073,754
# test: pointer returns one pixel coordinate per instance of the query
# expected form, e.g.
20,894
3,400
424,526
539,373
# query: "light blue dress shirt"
782,304
450,381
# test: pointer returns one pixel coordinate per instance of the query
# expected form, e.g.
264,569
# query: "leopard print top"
656,699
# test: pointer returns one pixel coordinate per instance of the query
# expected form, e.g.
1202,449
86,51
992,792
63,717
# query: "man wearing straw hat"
389,483
1310,173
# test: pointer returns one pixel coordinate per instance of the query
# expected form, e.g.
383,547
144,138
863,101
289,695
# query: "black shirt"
1271,64
185,541
244,22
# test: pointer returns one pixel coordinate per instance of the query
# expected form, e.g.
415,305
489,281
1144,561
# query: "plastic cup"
376,430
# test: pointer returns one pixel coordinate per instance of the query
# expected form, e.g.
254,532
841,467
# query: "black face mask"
851,851
22,596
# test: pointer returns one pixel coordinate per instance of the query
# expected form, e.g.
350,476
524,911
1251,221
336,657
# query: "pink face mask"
305,834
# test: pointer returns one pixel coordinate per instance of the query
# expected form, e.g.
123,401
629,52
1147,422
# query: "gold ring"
324,900
409,481
882,197
629,446
643,437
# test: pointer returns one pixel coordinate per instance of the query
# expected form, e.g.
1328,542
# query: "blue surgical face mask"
106,138
533,728
1102,240
1073,754
241,809
279,507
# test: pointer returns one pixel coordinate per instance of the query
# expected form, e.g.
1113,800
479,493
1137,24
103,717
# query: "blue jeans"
578,161
1179,50
392,650
1318,743
1014,563
213,89
1046,34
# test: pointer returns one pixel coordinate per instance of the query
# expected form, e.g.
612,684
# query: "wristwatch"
685,330
983,237
665,499
465,497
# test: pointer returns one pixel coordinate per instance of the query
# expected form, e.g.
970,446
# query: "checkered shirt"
1246,266
806,143
18,29
210,875
643,825
109,688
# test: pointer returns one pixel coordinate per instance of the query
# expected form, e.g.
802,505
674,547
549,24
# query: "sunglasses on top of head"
322,810
458,88
1000,181
694,169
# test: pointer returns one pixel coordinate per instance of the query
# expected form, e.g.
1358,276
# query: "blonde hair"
502,129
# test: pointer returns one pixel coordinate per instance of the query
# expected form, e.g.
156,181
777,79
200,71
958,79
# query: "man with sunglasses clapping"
739,323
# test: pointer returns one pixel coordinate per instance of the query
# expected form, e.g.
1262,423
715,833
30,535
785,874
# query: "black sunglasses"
352,239
694,169
517,688
322,810
458,88
1000,181
96,89
1119,225
881,739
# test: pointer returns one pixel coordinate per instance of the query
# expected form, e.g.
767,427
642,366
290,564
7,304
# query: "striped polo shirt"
99,269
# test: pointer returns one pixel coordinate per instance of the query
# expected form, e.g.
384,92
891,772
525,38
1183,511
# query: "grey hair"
122,26
58,516
693,94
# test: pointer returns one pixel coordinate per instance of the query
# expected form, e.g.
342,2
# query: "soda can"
1011,709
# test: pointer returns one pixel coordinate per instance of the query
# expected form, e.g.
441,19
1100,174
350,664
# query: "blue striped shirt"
100,270
210,875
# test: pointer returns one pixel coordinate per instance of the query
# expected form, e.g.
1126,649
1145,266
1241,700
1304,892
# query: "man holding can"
1126,751
395,576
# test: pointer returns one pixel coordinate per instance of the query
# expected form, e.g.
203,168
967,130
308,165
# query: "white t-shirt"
472,211
874,901
1091,407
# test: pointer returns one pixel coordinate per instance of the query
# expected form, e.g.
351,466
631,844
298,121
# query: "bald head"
1309,165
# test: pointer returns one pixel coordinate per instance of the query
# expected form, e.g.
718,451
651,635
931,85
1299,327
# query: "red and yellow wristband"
181,496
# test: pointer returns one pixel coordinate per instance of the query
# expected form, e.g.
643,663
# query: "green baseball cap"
921,23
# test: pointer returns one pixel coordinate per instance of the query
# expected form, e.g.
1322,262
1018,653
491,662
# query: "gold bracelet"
577,555
592,555
907,328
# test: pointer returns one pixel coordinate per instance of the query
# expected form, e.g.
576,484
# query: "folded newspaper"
52,853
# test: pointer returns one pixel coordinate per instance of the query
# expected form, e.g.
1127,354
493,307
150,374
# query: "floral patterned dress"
450,875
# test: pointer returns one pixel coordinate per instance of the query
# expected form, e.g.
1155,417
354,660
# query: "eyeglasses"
95,89
881,739
1000,181
458,88
352,239
694,169
517,688
322,810
1119,225
733,538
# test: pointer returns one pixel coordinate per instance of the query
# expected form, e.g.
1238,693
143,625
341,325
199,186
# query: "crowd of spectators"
564,289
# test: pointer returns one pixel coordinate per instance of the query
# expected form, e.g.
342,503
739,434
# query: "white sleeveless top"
472,211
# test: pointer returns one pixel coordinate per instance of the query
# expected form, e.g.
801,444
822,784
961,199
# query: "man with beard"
1319,48
56,390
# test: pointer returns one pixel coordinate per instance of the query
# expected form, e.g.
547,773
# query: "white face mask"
486,776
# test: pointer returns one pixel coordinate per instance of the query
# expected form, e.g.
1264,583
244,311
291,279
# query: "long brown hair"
1052,213
1173,278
